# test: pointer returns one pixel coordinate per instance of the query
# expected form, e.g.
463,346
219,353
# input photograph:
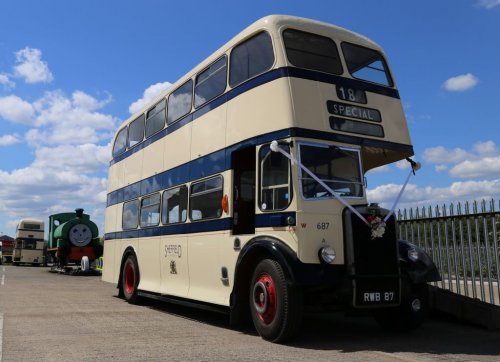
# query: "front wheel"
130,279
275,305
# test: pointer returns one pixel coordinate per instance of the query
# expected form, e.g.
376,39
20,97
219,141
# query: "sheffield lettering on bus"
347,110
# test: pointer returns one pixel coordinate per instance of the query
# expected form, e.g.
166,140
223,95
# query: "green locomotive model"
73,238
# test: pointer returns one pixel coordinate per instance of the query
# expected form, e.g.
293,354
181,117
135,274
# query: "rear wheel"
130,279
409,315
275,305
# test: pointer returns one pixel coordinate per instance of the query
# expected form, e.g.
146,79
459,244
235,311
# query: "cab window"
275,179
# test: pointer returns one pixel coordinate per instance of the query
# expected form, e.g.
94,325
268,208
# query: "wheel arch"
419,271
256,249
129,250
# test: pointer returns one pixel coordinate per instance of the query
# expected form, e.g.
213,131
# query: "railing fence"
463,240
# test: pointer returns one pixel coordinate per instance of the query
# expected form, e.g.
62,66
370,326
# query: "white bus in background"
206,207
29,245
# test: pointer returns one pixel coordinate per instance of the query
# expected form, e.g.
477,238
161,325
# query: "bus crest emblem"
173,267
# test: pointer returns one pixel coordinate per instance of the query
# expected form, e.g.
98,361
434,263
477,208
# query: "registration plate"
378,297
382,292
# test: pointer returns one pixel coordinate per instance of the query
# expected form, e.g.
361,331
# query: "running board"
184,302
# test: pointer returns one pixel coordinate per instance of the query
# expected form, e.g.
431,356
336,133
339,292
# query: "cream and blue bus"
241,188
29,246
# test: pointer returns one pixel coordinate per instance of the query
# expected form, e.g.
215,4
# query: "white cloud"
9,139
81,159
70,161
84,101
31,67
488,166
75,120
482,161
149,94
6,82
440,155
428,195
488,4
59,179
461,83
70,135
487,148
403,164
14,109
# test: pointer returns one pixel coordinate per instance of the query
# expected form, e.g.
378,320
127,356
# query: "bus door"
243,164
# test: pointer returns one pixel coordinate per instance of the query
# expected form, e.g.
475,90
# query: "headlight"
413,254
327,254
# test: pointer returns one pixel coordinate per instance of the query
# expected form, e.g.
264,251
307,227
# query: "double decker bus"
29,246
241,188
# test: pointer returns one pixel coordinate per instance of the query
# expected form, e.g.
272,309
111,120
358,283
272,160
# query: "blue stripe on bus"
262,220
256,82
220,161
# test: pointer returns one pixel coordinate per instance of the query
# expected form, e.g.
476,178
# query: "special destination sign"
348,110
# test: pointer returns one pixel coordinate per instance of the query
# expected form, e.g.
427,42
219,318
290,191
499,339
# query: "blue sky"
71,72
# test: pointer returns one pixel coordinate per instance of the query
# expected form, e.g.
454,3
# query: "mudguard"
298,272
421,270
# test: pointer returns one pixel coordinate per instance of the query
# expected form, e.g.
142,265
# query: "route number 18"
351,94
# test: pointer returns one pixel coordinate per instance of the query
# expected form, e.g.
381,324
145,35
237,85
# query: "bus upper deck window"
136,131
120,142
312,51
366,64
251,58
155,119
211,82
179,102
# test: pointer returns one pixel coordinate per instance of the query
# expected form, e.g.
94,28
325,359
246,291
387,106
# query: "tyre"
130,279
275,305
85,264
409,315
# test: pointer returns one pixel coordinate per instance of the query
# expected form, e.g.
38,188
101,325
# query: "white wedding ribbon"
414,167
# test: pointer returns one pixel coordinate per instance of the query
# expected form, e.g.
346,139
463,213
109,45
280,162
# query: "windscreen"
339,168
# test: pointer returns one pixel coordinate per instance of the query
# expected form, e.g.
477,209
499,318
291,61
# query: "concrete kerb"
465,309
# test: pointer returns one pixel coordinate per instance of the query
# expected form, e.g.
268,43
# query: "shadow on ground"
440,335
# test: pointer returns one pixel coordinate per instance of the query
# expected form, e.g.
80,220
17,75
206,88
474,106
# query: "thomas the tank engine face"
80,235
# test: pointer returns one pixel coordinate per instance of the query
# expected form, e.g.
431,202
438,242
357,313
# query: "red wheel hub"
129,278
264,298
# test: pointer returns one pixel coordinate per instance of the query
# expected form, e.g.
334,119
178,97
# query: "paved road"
52,317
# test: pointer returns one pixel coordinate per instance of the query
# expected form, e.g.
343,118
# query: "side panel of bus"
174,270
